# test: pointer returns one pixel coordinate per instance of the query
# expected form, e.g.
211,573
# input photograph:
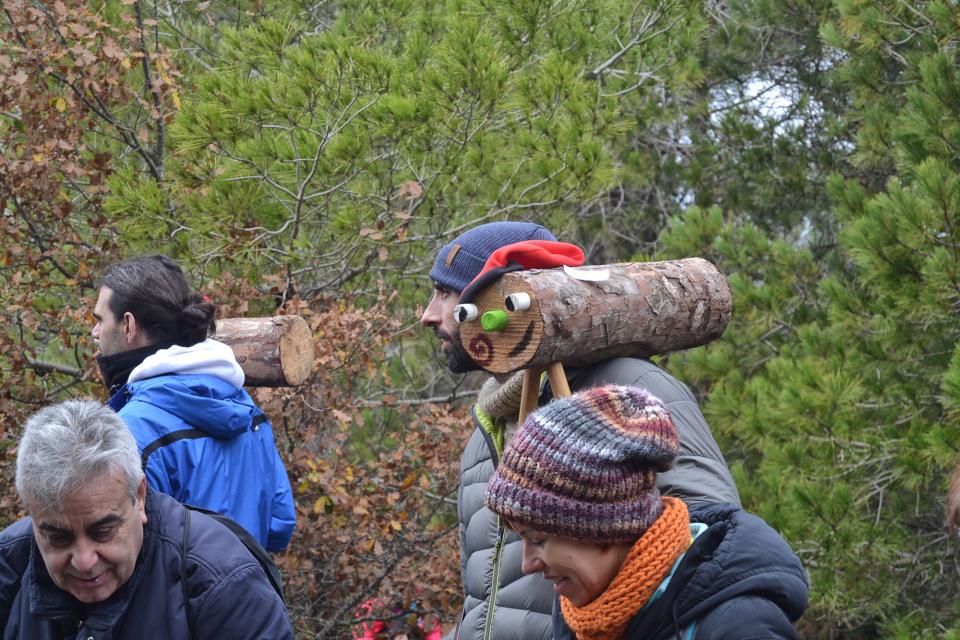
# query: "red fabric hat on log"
530,254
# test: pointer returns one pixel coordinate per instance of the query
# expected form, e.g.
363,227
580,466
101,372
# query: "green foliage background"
811,149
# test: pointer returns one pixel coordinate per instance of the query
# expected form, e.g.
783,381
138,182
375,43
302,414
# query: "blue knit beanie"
463,258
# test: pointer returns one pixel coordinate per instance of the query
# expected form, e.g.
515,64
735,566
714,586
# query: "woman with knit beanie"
577,483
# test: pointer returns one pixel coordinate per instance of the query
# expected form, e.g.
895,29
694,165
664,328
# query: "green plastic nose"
495,320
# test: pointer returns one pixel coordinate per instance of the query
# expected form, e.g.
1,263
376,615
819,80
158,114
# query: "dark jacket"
490,554
739,580
228,591
205,442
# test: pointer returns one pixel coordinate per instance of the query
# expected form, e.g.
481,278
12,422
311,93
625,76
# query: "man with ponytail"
202,439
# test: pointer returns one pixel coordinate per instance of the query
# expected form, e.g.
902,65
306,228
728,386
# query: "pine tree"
846,431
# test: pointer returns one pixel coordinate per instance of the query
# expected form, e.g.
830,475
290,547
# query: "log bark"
273,352
638,309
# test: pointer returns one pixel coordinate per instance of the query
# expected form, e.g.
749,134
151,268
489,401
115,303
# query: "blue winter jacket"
229,595
205,442
739,580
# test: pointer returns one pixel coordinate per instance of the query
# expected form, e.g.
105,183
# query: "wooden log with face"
530,320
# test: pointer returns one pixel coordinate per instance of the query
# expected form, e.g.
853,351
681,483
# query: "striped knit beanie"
460,260
585,466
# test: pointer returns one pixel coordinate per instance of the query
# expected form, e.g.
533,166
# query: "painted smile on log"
524,341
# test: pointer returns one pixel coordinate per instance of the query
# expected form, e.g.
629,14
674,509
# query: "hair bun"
197,320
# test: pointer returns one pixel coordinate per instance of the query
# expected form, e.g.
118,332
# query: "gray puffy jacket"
500,602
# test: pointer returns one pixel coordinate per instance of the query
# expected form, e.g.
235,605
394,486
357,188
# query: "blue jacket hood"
206,402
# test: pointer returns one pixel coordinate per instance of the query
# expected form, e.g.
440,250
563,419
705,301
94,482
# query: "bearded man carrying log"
500,602
202,438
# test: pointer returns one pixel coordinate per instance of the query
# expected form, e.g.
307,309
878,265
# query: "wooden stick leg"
530,394
558,380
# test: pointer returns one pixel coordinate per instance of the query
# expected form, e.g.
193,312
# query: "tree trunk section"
632,309
273,352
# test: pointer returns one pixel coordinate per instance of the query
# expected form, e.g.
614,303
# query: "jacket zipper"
495,582
498,547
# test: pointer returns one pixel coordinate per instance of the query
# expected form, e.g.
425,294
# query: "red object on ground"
369,630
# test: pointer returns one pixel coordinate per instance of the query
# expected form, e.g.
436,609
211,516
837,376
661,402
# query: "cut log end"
296,352
273,352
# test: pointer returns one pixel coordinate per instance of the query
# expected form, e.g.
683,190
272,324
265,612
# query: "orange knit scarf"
647,563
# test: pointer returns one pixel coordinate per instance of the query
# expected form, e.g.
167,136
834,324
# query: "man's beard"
458,360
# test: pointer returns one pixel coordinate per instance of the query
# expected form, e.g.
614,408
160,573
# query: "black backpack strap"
251,543
189,434
183,568
170,438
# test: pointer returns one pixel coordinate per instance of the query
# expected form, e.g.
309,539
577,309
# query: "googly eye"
466,312
517,301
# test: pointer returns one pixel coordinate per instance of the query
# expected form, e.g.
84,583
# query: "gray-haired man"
104,556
